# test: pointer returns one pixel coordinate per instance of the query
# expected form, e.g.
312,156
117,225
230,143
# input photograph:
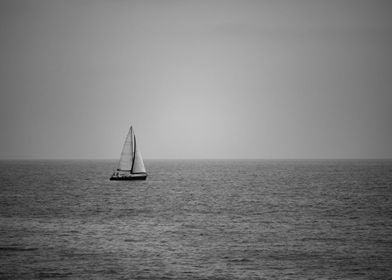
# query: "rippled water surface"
197,220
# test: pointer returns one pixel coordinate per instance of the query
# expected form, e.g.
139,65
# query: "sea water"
197,219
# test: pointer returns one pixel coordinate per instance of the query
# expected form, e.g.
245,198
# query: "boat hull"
132,177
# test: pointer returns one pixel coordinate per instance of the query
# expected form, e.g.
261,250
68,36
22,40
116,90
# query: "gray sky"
196,79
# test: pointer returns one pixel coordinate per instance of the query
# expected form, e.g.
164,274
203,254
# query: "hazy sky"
196,79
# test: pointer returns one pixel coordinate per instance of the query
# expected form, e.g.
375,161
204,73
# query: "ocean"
197,219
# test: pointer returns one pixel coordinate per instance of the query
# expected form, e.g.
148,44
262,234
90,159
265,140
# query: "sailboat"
131,165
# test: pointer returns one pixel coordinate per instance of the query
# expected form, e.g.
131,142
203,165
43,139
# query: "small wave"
323,239
240,260
130,240
17,249
53,275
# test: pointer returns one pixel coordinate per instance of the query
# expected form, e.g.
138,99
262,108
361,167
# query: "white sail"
125,162
131,157
138,165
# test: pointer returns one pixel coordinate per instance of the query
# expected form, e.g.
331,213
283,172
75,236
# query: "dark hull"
129,178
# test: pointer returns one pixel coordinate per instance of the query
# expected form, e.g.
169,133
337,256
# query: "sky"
196,79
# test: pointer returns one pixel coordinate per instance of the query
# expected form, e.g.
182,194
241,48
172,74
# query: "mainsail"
125,163
131,158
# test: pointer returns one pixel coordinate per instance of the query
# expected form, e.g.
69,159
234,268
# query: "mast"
134,150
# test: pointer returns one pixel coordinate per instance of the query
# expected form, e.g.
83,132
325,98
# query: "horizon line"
277,158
